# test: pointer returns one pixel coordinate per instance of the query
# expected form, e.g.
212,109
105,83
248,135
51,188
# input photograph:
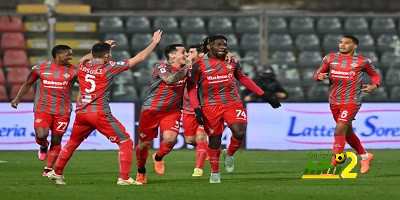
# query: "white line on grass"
3,161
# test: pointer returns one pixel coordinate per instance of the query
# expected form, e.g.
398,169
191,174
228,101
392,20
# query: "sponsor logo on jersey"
38,120
353,65
112,138
229,67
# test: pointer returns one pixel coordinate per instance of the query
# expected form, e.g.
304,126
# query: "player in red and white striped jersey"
52,106
95,75
213,83
162,108
345,70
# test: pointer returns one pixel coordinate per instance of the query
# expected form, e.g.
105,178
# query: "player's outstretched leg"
53,155
201,155
365,162
213,154
58,179
141,157
42,153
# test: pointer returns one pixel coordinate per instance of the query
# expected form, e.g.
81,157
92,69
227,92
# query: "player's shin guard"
53,155
125,158
201,154
213,155
355,143
164,149
42,143
338,146
141,157
65,154
234,146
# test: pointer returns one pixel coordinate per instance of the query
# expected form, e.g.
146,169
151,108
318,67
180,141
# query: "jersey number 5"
89,78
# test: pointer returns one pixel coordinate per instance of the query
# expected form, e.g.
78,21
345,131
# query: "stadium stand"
379,95
121,40
140,40
247,25
295,94
329,25
280,42
299,25
36,26
309,59
195,38
330,43
28,97
10,41
111,24
284,58
166,24
193,25
76,27
356,25
17,76
2,77
387,42
11,24
395,94
218,25
383,25
307,42
317,93
3,94
277,25
250,42
138,25
367,42
15,58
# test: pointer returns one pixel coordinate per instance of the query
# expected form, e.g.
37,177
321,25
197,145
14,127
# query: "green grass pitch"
257,175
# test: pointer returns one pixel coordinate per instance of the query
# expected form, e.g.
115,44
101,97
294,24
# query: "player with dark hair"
345,70
213,82
52,105
162,108
95,74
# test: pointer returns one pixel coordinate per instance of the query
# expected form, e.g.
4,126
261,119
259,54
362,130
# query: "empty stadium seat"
305,42
356,25
28,97
290,76
280,42
193,25
250,42
12,41
17,75
317,93
124,93
35,26
121,41
330,43
3,94
378,95
11,24
247,25
308,77
366,42
141,40
251,56
15,58
124,78
367,79
299,25
295,94
194,38
111,24
329,25
392,77
120,55
76,27
170,38
309,59
143,76
220,25
138,24
166,24
395,94
387,42
277,25
2,77
371,55
389,57
143,91
233,43
383,25
148,63
283,58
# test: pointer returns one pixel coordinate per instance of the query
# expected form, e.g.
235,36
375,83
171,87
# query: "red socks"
164,149
125,158
338,146
141,157
65,155
354,142
53,155
42,143
201,154
214,159
234,146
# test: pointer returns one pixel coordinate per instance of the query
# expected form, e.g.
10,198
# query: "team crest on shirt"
353,65
66,75
142,135
38,120
112,138
229,66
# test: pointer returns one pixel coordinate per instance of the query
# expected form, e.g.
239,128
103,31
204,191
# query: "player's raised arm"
140,57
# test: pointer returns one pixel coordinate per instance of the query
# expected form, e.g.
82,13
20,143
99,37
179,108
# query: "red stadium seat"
29,96
15,58
13,41
11,24
2,78
3,93
17,76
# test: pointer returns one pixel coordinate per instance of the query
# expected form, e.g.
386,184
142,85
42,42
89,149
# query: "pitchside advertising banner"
17,132
294,126
306,126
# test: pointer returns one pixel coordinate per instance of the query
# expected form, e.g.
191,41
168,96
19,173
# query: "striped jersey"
345,76
163,96
95,80
53,92
215,80
186,103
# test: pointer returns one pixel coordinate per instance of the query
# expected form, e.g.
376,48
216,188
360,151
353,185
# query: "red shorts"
216,115
105,123
344,113
57,124
190,125
150,120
